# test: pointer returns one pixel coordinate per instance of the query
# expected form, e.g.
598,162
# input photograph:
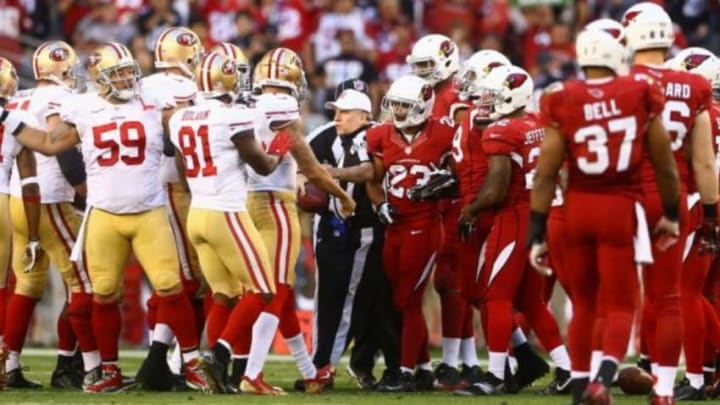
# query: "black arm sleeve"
72,166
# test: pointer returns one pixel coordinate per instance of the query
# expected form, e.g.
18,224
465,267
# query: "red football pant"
470,263
662,321
600,255
447,278
409,254
556,250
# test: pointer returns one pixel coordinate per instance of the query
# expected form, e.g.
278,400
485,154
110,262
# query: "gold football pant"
233,257
179,205
58,229
274,214
5,241
109,238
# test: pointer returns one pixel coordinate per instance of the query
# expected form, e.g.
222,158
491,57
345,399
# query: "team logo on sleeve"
694,60
59,55
446,48
515,80
186,39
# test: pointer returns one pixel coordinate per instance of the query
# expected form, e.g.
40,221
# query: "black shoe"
390,377
218,372
447,378
560,385
470,375
511,384
16,379
365,380
644,363
155,375
488,385
404,383
299,385
66,378
92,376
424,380
686,392
531,367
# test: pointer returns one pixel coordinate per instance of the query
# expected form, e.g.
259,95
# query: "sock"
13,361
190,355
595,360
450,351
106,322
79,312
580,381
607,370
175,311
302,358
697,381
263,332
496,364
239,363
654,368
405,370
3,311
152,306
91,360
20,309
222,351
198,306
452,309
176,360
67,342
468,352
241,320
216,320
163,334
468,329
560,357
665,380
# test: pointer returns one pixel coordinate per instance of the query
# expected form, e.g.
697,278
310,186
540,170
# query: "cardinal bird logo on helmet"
186,39
446,48
492,65
59,54
628,17
515,80
426,92
694,60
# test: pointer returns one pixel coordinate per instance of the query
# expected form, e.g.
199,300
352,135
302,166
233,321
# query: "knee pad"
165,280
104,286
80,305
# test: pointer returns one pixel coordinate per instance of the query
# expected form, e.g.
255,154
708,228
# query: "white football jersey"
269,108
9,149
121,145
41,103
213,168
179,89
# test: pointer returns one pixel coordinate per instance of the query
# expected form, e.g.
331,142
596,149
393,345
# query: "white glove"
32,253
386,213
539,258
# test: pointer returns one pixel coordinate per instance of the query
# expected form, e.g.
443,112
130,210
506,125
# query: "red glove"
281,144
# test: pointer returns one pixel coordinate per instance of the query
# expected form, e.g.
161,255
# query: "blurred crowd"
340,39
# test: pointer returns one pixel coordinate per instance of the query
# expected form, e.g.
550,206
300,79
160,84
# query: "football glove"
709,231
281,144
441,183
386,213
465,229
32,253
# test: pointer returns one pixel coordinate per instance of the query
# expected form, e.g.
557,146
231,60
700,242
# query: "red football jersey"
715,124
409,164
603,122
446,101
470,161
686,95
520,139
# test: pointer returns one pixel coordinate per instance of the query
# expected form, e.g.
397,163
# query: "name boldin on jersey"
195,115
600,110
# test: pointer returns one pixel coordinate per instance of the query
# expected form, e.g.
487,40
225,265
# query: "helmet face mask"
408,102
505,90
122,80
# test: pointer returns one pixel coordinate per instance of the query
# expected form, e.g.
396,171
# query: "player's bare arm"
251,152
355,174
493,191
703,159
27,170
668,181
552,151
374,186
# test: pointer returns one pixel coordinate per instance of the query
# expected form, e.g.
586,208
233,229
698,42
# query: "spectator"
140,49
246,27
345,16
391,62
13,21
101,24
220,17
156,17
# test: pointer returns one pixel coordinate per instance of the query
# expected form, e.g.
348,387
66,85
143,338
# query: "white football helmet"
598,48
409,101
505,90
476,68
648,26
700,61
435,58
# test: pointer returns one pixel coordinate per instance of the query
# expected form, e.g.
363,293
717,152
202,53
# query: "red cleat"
258,386
196,377
110,381
323,378
597,394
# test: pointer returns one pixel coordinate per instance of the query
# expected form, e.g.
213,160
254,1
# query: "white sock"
150,336
425,366
91,360
518,337
560,357
176,359
263,332
468,352
66,353
187,357
300,354
13,361
163,334
496,364
405,370
665,381
697,381
595,360
654,369
450,351
577,375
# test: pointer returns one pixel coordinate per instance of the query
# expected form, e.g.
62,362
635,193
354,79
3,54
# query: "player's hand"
709,233
348,207
465,229
32,254
539,258
301,182
281,144
666,233
386,213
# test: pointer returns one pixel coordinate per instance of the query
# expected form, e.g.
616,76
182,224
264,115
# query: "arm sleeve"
548,112
374,141
72,166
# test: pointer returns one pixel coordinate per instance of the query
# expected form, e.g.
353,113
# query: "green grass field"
279,371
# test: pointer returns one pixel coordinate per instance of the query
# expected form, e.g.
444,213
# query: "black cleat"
365,380
424,380
470,375
218,372
686,392
531,367
390,377
155,376
560,385
487,385
447,378
16,379
66,378
405,382
644,363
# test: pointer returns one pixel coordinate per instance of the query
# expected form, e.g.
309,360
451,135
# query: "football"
314,200
635,381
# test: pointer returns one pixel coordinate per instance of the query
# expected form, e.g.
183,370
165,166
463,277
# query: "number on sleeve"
188,147
596,138
104,137
530,176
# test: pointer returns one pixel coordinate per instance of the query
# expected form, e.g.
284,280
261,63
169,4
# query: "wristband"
29,180
710,210
671,212
35,198
538,225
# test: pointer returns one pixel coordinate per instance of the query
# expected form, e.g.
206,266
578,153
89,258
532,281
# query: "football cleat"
4,351
531,367
110,380
258,386
488,384
196,376
323,379
596,394
658,400
447,378
470,375
404,382
424,380
686,392
363,379
66,378
16,379
560,385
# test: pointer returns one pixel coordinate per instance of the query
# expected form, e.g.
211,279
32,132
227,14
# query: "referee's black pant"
353,299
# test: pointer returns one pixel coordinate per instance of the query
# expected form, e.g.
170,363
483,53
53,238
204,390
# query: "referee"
353,296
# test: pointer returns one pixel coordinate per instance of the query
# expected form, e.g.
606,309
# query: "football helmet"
648,26
505,90
178,47
700,61
241,63
434,58
57,62
8,79
281,67
114,70
598,48
217,76
409,101
476,68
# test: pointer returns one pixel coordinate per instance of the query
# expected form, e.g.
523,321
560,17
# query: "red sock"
216,321
208,301
19,311
3,309
80,312
647,330
152,306
452,308
500,324
106,322
289,325
712,323
176,312
67,341
242,318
